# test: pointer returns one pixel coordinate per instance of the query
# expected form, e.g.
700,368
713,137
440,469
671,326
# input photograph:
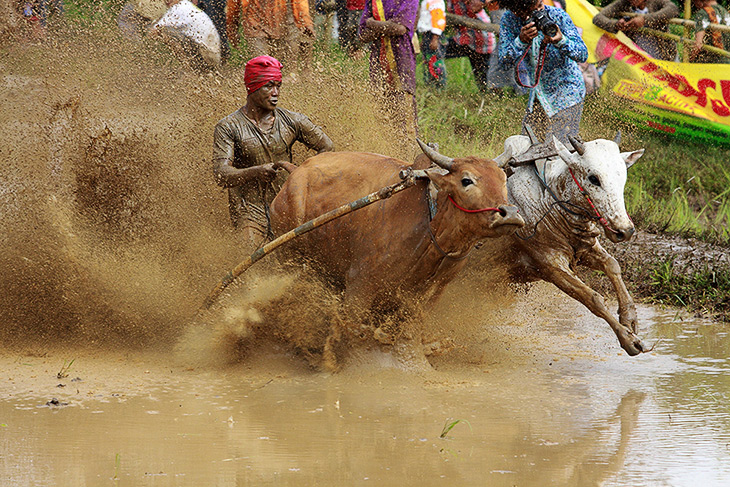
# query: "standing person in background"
388,25
654,14
709,12
216,10
474,44
349,24
190,34
431,24
545,64
270,28
31,13
499,78
250,144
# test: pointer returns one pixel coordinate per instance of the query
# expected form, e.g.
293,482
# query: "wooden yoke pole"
409,179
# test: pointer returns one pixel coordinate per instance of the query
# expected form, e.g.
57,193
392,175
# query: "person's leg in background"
216,10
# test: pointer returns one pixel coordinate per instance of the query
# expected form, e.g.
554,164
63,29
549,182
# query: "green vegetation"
449,425
63,373
705,290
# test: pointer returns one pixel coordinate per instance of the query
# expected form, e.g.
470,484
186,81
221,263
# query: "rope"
564,204
481,210
599,217
538,68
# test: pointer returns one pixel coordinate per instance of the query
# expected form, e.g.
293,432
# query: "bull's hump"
349,167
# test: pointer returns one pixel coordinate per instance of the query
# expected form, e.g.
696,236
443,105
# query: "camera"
544,23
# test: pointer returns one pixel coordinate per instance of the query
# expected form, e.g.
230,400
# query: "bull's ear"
502,159
438,177
631,157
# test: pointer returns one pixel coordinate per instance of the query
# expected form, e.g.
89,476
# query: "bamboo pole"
685,22
409,179
683,40
689,26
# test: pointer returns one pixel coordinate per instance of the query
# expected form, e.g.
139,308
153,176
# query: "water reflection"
662,420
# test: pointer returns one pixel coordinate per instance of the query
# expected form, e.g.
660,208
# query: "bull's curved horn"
577,145
441,160
617,139
562,151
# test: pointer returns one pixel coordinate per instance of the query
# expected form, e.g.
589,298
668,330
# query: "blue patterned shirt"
561,83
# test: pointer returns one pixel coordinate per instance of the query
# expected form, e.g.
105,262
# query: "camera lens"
544,23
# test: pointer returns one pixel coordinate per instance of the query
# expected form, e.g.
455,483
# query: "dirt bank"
675,270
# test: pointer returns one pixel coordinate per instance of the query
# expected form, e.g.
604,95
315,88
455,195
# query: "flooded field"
113,231
563,406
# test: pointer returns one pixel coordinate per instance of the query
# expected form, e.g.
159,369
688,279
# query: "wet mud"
113,232
112,226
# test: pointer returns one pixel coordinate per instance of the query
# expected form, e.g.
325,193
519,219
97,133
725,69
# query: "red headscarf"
259,71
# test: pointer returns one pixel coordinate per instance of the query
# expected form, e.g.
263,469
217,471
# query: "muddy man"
250,144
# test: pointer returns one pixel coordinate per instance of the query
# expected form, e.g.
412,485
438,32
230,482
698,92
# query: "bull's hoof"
631,343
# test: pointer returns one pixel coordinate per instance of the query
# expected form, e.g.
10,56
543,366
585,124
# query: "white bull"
562,198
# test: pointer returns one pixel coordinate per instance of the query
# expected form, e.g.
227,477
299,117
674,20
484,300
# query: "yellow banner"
699,90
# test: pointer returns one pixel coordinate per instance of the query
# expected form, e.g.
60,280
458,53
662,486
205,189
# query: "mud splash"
112,227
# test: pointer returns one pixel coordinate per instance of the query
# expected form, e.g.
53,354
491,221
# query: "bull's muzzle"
508,220
620,234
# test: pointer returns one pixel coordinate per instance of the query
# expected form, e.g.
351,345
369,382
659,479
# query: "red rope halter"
473,211
599,217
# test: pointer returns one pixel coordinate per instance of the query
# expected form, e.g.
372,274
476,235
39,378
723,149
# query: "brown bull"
392,250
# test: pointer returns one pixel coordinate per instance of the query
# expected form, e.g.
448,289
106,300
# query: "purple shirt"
404,12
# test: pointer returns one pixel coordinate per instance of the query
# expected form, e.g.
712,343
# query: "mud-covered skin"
383,254
561,241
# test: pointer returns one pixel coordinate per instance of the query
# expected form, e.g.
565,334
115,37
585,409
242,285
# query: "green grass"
705,290
449,425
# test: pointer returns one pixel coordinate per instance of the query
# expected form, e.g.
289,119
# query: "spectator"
30,10
475,44
431,24
654,14
341,24
499,78
389,30
557,89
250,144
269,27
709,12
190,34
36,13
348,26
216,10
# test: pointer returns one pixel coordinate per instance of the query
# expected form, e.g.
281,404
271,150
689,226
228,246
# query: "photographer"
543,47
654,14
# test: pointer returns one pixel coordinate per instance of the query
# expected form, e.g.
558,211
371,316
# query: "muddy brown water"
564,406
112,233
